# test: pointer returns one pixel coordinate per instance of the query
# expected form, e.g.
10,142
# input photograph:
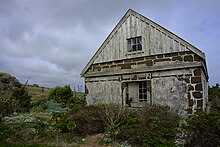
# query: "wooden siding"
154,41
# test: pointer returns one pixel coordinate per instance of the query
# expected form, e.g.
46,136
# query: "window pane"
134,40
139,40
139,47
145,96
129,45
140,96
144,90
140,91
144,84
134,47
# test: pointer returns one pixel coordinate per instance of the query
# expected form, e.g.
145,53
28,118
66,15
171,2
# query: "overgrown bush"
151,126
6,107
61,94
17,101
21,100
77,100
49,106
5,132
214,97
205,129
87,120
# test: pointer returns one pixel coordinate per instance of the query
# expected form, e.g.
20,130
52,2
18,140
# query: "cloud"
51,41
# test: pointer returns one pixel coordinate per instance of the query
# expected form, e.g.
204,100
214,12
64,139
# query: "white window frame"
134,44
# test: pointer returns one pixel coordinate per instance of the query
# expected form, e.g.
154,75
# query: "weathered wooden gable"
155,40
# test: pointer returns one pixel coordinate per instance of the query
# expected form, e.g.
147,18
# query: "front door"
136,94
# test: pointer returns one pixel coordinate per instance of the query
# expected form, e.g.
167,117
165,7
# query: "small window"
134,44
142,91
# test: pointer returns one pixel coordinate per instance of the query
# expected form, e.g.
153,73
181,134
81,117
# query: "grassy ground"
40,132
37,93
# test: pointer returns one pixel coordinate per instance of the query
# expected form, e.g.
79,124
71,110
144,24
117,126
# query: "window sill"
134,53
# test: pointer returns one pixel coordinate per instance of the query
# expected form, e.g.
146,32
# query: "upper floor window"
134,44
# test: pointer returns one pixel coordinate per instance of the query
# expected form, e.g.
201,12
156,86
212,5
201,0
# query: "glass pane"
134,40
140,90
139,40
145,96
129,45
140,85
144,90
134,47
140,96
144,84
139,47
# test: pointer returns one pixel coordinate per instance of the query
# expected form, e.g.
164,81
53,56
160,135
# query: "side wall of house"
185,91
103,90
174,79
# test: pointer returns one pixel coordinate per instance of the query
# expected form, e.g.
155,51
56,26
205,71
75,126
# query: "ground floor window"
142,91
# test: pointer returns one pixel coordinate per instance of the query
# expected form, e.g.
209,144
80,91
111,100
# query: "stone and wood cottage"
141,62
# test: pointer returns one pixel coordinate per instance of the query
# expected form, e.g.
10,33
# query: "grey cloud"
51,41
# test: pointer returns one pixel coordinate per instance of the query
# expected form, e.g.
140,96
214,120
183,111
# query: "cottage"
140,63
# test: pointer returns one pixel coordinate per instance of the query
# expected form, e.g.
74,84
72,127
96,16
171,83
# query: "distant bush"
17,101
214,97
21,100
61,94
6,107
49,106
77,100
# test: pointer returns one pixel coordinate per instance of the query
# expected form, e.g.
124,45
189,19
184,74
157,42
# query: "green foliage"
6,107
5,131
62,122
19,119
49,106
20,100
61,94
214,97
17,101
76,101
205,129
152,126
88,120
6,144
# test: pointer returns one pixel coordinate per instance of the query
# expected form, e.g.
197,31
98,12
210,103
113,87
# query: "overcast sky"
51,41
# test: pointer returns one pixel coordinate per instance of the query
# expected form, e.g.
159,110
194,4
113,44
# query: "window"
142,91
134,44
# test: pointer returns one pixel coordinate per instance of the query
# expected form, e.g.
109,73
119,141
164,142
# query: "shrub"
6,107
214,97
61,94
49,106
20,100
151,126
205,129
5,131
83,121
17,101
77,100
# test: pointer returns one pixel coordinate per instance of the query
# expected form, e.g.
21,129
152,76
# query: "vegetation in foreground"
60,117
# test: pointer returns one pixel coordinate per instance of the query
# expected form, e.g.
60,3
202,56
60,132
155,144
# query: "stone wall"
183,89
103,90
147,61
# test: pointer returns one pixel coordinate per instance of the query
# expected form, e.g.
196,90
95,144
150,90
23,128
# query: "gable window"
142,91
134,44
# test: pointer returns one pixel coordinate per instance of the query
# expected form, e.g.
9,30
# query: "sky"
51,41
